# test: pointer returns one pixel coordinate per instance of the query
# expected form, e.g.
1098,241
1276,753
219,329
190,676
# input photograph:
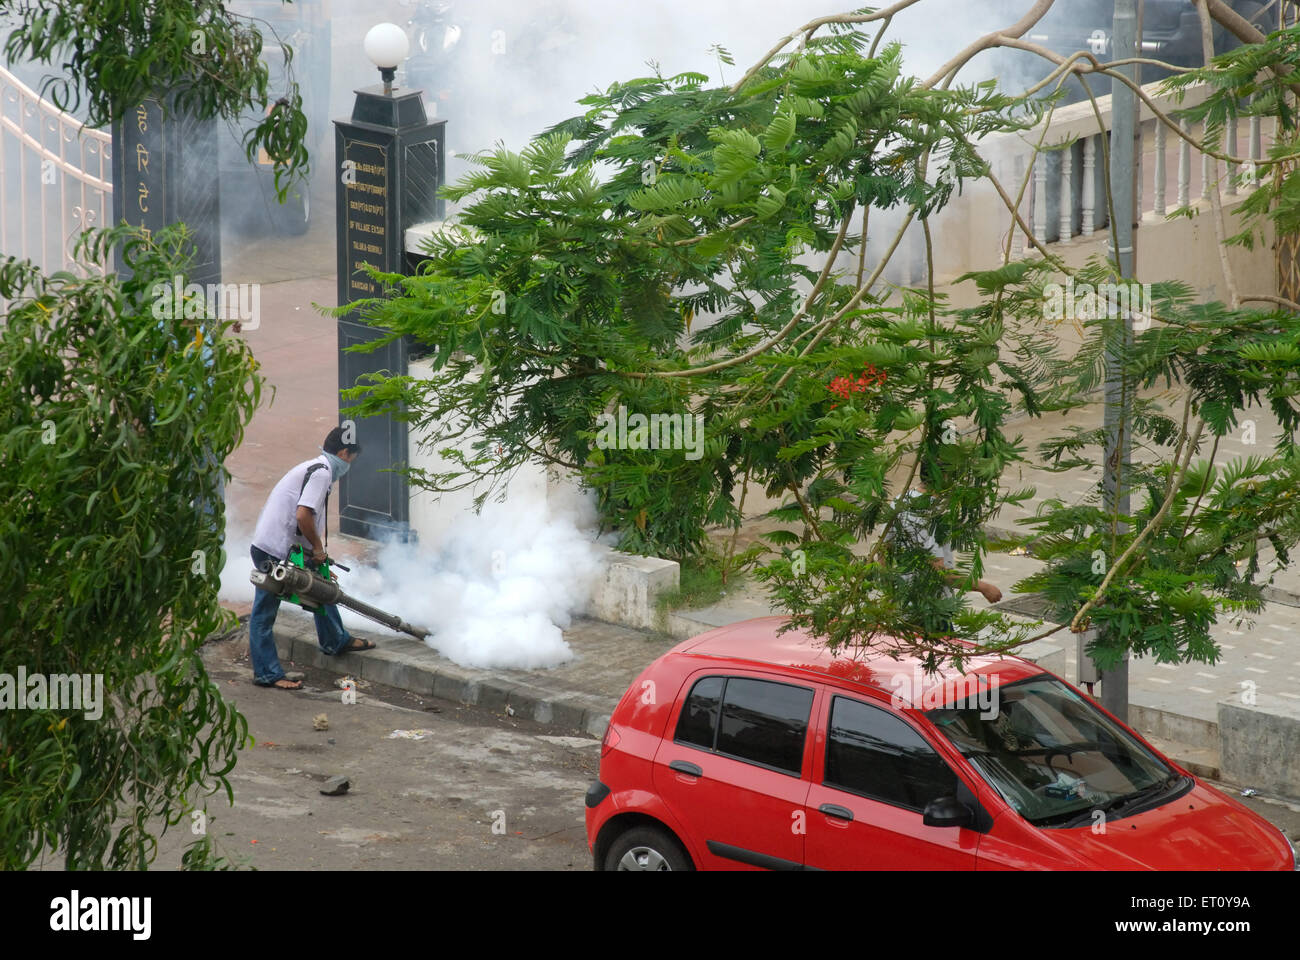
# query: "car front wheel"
647,848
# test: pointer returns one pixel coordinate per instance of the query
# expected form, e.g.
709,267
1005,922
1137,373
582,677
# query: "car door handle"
833,810
690,769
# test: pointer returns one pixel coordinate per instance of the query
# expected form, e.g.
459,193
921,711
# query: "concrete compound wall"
432,514
1260,743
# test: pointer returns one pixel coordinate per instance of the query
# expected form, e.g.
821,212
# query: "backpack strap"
305,477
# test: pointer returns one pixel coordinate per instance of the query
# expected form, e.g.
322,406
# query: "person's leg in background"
330,632
261,641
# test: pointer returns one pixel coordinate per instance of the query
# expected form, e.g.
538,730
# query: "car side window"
759,721
874,753
698,724
765,722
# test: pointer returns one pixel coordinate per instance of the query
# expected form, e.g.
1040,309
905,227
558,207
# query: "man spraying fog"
294,513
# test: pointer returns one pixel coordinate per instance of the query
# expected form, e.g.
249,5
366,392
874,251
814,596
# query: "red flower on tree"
843,387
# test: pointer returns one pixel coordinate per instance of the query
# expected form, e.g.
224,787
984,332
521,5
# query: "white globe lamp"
387,46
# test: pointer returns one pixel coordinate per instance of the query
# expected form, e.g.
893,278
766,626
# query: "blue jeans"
330,632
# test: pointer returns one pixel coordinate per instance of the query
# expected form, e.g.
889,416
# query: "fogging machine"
293,580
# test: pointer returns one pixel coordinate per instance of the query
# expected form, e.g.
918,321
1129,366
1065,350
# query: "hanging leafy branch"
114,421
1192,549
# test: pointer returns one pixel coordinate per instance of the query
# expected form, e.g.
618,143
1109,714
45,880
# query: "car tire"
647,848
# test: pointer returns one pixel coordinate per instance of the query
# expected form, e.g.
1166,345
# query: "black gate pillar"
165,171
389,161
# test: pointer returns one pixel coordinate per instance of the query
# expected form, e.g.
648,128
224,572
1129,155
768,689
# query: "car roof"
757,642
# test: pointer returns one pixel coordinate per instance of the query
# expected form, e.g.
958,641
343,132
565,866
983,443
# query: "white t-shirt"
277,526
916,531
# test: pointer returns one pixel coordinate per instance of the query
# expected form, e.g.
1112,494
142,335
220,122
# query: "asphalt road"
479,791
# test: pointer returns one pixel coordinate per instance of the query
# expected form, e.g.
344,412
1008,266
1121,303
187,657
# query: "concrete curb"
410,665
1260,743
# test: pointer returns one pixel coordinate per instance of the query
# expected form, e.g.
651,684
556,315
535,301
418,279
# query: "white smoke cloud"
501,587
497,592
519,66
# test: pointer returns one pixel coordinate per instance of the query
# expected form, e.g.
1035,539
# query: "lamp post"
389,162
386,46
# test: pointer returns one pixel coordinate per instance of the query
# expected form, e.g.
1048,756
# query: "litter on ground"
409,734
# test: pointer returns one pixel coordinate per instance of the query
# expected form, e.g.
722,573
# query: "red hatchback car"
740,749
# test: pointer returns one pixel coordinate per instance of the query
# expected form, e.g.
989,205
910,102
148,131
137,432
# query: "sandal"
365,645
284,683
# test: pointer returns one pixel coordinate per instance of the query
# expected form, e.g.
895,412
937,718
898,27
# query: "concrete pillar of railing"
1088,215
1158,201
906,265
1255,151
1184,166
1208,167
1230,148
1066,203
1040,198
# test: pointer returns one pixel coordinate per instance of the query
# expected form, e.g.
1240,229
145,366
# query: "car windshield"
1052,755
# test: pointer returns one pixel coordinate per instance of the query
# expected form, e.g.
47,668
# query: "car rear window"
872,752
759,721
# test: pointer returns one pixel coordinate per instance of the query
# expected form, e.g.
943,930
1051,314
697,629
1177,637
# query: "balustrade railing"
55,179
1065,198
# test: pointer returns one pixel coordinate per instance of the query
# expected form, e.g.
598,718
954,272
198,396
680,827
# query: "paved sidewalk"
1255,436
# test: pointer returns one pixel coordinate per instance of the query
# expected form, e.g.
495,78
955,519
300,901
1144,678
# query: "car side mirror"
947,812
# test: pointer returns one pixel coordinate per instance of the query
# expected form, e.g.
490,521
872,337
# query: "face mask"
338,466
